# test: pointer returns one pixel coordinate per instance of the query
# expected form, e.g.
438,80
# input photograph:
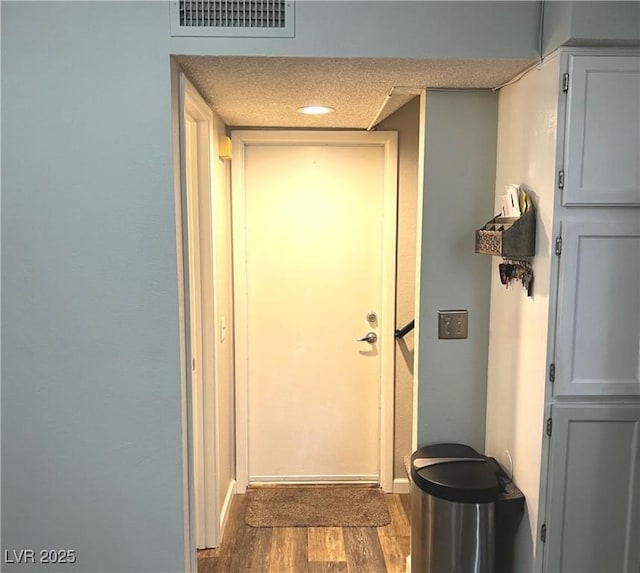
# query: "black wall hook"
406,329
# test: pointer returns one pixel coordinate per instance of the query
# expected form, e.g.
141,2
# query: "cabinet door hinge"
552,372
558,245
543,532
549,426
561,179
565,83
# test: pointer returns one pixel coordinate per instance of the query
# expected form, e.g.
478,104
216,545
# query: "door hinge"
552,372
565,83
543,532
549,426
558,245
193,364
561,179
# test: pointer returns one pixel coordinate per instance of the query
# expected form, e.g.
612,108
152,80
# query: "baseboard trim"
310,479
224,513
401,485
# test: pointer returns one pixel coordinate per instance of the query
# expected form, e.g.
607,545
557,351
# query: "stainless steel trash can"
453,496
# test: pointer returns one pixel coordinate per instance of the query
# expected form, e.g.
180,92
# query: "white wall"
406,122
392,28
458,181
91,429
517,371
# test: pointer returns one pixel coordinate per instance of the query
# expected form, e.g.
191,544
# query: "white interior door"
316,212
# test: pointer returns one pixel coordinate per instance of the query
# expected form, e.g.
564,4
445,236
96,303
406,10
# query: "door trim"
388,140
202,419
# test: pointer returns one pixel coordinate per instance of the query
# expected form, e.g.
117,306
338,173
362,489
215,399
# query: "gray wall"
91,401
606,21
556,29
590,22
459,176
392,28
91,431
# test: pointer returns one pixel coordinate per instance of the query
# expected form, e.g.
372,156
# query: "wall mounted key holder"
513,239
508,237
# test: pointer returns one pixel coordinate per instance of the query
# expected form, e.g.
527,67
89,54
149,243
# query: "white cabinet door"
593,516
598,323
602,153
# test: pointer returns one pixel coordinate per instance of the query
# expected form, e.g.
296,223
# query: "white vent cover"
242,18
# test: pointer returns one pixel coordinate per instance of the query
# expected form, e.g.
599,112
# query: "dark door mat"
316,506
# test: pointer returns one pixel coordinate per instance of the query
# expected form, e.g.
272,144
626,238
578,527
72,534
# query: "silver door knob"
370,337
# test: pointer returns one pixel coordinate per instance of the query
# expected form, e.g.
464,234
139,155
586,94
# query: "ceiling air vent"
228,18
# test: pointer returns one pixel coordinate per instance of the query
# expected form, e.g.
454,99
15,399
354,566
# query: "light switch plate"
453,324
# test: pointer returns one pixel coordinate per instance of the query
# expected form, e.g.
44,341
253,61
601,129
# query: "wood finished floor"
247,549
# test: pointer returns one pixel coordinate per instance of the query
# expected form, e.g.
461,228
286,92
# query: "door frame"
388,140
201,419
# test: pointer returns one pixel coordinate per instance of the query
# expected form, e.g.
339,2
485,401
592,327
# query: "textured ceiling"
265,92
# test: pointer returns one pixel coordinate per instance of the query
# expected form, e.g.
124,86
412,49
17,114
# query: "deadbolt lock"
372,317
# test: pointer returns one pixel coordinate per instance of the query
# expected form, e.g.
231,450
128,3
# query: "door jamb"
188,528
389,141
190,101
422,122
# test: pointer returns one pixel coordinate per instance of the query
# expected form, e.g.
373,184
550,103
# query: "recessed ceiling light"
315,109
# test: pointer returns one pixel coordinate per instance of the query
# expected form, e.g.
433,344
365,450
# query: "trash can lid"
454,472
